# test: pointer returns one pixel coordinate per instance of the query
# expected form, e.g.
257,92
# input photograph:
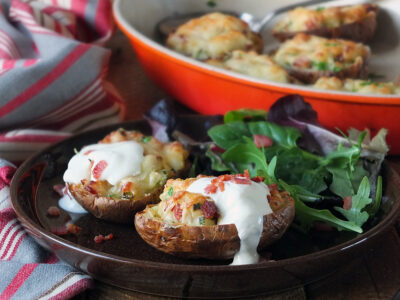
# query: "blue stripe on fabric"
30,251
90,12
8,270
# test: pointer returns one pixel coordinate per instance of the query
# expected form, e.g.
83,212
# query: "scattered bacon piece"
109,236
90,188
215,148
262,141
99,168
53,211
257,179
72,228
347,202
88,152
310,24
177,211
209,209
302,62
221,186
59,189
98,239
240,180
246,173
59,230
127,187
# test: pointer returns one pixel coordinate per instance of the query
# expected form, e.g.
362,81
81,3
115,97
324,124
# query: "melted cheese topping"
304,19
213,36
358,86
314,53
243,205
253,64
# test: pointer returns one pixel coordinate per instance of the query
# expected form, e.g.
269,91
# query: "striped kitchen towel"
52,72
28,271
52,83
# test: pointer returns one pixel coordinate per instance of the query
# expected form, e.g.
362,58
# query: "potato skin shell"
361,31
211,242
115,210
358,70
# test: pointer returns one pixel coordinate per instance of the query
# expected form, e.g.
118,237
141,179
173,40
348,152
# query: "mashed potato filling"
244,203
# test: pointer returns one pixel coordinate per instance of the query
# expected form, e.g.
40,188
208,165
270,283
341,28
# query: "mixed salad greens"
333,178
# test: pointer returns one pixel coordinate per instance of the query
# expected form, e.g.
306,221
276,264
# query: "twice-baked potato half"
355,22
213,36
216,218
308,57
253,64
123,173
358,86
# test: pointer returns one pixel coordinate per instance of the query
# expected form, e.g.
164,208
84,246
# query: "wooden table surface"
373,275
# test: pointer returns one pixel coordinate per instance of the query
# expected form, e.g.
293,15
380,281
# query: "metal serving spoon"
169,24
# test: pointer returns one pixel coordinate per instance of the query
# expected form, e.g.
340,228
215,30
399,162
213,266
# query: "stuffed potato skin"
357,23
119,202
212,241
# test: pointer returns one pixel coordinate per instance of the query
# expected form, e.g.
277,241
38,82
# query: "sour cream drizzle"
121,159
243,205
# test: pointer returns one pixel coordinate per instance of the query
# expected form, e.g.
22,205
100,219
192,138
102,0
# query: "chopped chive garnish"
337,69
365,83
320,8
202,220
146,139
170,191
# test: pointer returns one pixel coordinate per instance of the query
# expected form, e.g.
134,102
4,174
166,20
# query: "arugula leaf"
373,209
244,114
217,163
359,201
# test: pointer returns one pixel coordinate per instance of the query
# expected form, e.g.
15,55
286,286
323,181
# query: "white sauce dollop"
122,158
243,205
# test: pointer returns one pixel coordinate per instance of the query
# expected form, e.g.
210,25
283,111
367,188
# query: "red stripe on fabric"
53,75
30,62
19,279
21,238
33,138
52,259
8,232
103,20
79,7
8,64
6,173
7,215
74,289
10,241
57,27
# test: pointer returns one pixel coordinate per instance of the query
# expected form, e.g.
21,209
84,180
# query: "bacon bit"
53,211
59,189
258,179
347,202
209,209
177,212
109,237
98,239
88,152
262,141
215,148
127,187
302,62
221,186
225,177
211,189
83,181
246,174
322,226
59,230
239,180
90,188
72,228
310,24
99,168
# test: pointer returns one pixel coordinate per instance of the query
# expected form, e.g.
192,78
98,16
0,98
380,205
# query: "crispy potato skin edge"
211,242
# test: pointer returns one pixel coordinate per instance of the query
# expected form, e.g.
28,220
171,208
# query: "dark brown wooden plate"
128,262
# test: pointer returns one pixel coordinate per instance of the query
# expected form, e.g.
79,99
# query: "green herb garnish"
337,69
146,139
365,83
321,65
320,8
211,3
170,191
202,220
331,44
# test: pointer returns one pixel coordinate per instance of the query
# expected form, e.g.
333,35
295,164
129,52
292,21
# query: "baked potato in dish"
213,36
123,173
307,58
355,22
358,86
253,64
216,218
